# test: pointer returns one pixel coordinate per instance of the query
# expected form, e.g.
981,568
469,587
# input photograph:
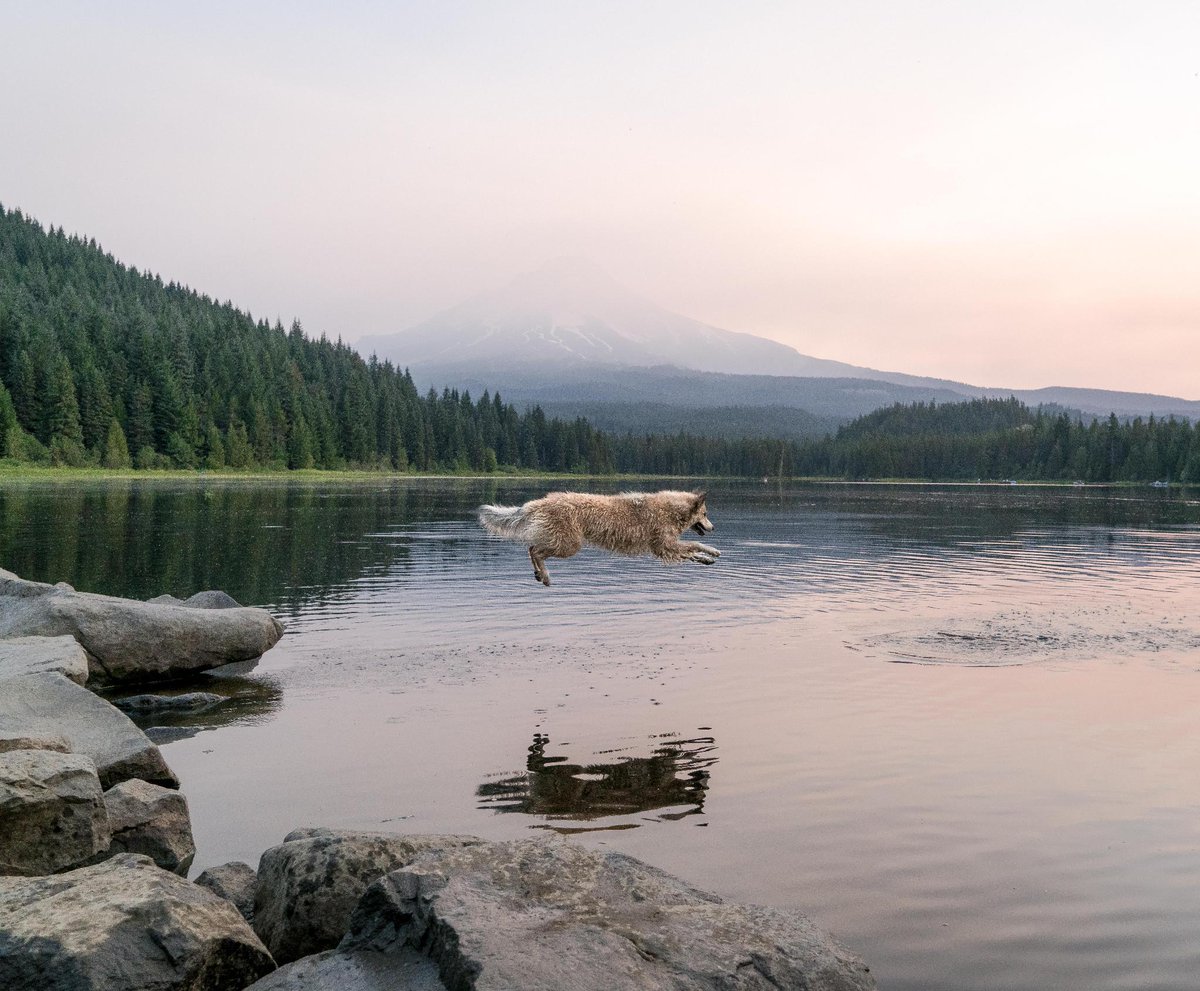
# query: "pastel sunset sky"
1001,193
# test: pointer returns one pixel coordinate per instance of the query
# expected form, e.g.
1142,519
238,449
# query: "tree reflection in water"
674,776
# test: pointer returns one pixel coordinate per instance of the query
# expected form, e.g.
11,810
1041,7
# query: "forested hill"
1003,438
101,363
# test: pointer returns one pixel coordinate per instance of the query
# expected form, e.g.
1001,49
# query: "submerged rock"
153,821
52,812
235,882
552,915
124,925
35,655
309,885
130,641
48,705
140,705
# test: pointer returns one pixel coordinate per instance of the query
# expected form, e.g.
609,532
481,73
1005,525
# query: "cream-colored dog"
559,524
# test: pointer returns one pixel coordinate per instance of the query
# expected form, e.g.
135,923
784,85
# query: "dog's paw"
703,559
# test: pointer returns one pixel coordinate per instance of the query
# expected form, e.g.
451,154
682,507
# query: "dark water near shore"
958,726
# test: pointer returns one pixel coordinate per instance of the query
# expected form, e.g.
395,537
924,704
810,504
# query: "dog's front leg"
710,551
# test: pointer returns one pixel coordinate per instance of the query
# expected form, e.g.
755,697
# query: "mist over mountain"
572,338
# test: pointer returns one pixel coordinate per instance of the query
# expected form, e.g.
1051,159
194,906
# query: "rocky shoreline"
96,843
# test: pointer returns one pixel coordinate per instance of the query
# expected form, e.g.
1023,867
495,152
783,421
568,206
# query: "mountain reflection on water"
674,776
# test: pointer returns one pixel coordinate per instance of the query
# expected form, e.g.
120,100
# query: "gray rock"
212,599
172,734
40,705
153,821
33,655
355,970
188,702
129,641
553,916
52,812
123,925
309,885
235,882
12,739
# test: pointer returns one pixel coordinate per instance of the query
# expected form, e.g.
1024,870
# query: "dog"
559,524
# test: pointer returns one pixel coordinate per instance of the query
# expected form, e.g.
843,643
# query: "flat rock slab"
123,925
552,916
34,655
52,812
151,820
129,641
48,705
358,970
309,884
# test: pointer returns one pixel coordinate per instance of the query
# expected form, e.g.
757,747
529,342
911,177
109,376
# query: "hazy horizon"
1002,197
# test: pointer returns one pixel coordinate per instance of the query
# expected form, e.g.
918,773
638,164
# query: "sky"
1001,193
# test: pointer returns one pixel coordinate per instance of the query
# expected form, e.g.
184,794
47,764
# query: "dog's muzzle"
701,529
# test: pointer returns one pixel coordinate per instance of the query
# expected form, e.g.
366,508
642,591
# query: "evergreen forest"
103,365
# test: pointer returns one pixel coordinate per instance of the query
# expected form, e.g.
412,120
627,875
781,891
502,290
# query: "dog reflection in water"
635,523
675,775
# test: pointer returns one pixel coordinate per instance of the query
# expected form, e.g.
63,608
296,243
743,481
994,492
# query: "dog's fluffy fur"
559,524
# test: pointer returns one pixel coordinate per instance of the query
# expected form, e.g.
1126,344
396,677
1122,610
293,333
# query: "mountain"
571,314
572,339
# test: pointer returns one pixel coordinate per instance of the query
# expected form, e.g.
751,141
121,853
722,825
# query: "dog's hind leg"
538,557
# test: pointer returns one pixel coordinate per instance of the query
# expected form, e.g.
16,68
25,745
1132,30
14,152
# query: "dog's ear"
699,500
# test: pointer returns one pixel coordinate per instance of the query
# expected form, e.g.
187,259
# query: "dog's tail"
510,522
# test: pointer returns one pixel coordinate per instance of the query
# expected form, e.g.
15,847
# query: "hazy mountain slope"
571,314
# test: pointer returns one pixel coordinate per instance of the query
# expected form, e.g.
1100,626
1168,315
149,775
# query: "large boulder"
52,812
235,882
33,655
153,821
123,925
553,916
129,641
309,884
48,705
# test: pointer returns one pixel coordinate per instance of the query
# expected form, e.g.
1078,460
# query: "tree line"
103,365
1004,439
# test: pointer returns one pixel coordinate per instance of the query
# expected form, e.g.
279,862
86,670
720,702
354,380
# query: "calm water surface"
957,726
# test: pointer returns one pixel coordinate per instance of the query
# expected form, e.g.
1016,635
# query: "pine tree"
116,451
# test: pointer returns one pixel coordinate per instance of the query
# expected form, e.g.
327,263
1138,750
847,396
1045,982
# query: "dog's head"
698,517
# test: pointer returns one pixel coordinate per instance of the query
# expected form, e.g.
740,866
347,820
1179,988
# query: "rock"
212,599
123,925
20,740
33,655
356,970
189,702
41,705
235,882
129,641
553,915
52,812
171,734
309,885
153,821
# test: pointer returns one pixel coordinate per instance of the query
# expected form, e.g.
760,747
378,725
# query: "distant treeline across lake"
103,365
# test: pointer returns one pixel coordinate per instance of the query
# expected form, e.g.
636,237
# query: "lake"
959,726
